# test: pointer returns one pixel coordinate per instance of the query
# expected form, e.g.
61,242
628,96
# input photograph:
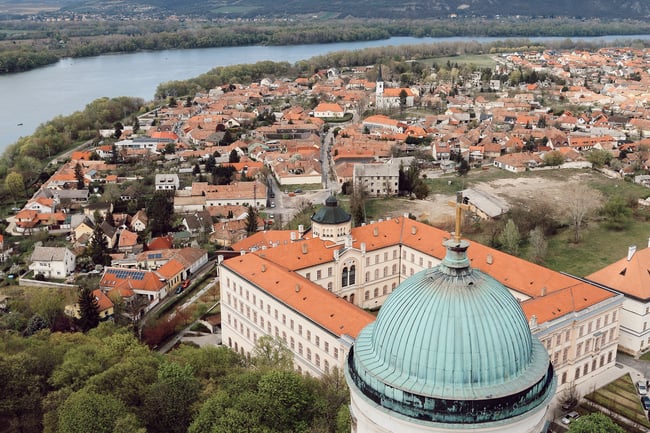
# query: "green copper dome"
451,344
331,213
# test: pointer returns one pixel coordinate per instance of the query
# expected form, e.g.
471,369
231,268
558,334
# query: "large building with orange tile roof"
630,276
577,321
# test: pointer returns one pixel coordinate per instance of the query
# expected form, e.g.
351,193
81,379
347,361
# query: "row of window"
587,367
581,331
251,315
238,326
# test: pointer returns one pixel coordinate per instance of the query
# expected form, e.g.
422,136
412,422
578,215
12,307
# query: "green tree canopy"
86,411
15,185
595,423
272,352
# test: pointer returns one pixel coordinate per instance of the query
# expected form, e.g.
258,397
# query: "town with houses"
317,286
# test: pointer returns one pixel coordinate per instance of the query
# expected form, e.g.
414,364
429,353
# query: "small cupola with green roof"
331,222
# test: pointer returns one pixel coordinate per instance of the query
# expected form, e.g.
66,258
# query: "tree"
595,423
160,211
15,185
358,204
88,310
79,175
510,238
402,100
538,244
98,247
287,404
599,158
617,212
86,411
251,221
233,157
169,400
118,130
272,352
581,202
553,158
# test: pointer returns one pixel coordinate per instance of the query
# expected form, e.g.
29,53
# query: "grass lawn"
479,60
621,397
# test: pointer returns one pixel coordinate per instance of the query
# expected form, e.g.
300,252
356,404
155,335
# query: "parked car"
641,387
186,284
645,401
569,417
179,290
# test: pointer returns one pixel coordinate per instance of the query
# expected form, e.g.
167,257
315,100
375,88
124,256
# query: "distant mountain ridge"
588,9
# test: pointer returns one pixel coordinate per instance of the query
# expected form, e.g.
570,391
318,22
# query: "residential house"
128,242
198,223
52,262
328,110
139,221
101,209
167,182
145,285
105,307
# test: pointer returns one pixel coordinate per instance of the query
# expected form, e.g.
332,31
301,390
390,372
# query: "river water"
34,97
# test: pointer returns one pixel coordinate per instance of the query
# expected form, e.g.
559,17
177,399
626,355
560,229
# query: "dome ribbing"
451,344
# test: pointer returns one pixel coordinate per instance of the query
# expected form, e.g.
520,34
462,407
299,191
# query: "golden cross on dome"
460,205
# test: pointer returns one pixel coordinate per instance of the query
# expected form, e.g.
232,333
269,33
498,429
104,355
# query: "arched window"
384,290
366,296
394,268
376,292
376,274
344,277
353,272
367,276
385,271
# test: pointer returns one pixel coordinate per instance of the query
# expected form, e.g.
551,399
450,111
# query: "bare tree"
581,202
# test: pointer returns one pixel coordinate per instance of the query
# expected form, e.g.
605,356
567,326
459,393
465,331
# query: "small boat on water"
20,124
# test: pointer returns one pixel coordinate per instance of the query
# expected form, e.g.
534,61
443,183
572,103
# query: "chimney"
293,236
489,259
242,252
363,247
263,268
543,291
533,321
304,248
630,252
336,255
220,258
375,231
297,288
301,229
414,230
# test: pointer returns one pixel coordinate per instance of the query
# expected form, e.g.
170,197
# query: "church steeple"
379,90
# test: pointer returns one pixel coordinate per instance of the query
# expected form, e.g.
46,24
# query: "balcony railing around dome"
433,409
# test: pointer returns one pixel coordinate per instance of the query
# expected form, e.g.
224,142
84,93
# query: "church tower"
450,352
379,88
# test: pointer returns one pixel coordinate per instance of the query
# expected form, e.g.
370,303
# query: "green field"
479,60
621,397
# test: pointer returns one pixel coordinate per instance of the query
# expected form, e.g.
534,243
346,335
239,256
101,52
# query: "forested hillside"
387,9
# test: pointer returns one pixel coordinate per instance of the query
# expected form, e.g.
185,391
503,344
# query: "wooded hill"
621,9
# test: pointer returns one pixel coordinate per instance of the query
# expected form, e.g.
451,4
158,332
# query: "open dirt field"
513,191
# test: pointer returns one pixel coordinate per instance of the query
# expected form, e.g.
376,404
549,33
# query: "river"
34,97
